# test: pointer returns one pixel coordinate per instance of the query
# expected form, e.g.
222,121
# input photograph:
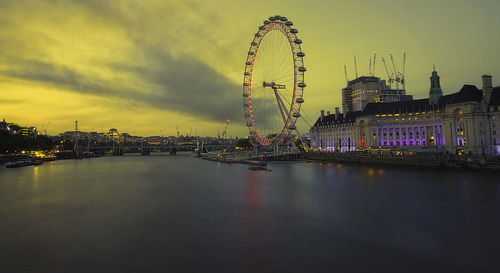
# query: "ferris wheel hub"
273,85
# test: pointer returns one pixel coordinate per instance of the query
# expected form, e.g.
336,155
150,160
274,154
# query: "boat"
37,161
258,168
19,163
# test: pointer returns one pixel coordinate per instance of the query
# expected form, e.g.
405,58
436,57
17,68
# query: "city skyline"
153,66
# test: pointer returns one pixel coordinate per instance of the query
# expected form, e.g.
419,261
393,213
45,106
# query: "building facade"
365,90
465,122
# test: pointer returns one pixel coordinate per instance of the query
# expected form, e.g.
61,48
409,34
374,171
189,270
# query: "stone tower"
435,93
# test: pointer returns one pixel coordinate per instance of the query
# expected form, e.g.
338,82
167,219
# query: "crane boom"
370,67
355,66
389,79
345,72
403,81
374,58
396,74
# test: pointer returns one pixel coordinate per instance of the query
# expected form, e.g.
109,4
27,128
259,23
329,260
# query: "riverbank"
423,160
250,158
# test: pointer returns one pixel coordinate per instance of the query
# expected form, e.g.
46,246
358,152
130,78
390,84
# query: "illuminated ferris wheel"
273,84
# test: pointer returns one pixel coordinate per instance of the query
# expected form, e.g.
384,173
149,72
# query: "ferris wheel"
273,83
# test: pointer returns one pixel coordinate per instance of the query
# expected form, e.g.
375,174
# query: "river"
164,213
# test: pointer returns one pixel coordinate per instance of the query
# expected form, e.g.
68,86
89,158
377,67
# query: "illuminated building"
364,90
29,132
335,132
464,122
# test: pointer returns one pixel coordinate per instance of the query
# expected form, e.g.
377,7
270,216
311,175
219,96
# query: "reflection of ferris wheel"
274,82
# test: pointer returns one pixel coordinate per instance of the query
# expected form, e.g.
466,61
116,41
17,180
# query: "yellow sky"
150,66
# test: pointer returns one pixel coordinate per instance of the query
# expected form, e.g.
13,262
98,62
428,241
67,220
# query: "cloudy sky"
148,66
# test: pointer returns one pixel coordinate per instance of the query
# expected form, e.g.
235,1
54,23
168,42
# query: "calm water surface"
163,213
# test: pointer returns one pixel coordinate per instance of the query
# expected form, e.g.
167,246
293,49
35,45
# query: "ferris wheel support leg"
283,105
302,139
280,106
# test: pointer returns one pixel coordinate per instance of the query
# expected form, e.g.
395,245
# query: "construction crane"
389,78
355,66
44,128
370,68
403,81
225,129
76,137
177,128
374,58
345,72
396,73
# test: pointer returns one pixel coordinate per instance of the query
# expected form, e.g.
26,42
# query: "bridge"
146,149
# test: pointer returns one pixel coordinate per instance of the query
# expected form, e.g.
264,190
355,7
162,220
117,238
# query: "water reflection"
163,214
36,170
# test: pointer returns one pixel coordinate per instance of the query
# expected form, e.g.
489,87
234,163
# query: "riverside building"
465,122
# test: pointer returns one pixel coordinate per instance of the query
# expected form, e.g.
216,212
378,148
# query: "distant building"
368,89
465,122
4,126
29,132
113,132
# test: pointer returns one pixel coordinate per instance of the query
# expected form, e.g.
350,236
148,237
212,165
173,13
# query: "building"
28,132
4,126
465,122
335,132
364,90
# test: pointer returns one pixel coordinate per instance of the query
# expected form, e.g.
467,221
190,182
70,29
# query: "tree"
244,143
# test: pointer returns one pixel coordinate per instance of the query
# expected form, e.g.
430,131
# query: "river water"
164,213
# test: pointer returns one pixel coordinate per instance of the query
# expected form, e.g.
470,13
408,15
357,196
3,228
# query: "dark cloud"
152,75
188,85
180,84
